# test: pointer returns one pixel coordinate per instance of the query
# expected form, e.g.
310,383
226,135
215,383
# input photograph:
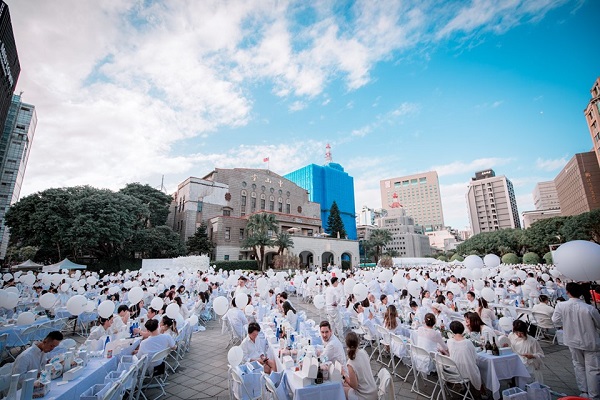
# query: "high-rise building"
419,194
15,144
491,203
9,62
592,117
366,216
326,184
578,184
408,239
545,196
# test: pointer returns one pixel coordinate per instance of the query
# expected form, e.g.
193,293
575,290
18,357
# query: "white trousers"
586,365
335,319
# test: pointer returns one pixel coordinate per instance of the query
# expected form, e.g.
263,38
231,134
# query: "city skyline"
132,91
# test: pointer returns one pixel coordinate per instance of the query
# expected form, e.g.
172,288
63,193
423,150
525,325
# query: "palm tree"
260,230
378,240
283,241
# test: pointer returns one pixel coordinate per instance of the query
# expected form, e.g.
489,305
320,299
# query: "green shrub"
548,258
531,258
510,258
442,258
457,257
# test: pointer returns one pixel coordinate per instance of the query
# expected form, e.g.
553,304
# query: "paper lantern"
76,304
157,303
106,309
360,292
26,318
235,356
473,261
221,305
488,294
249,309
172,310
491,260
241,299
135,295
47,300
414,288
319,301
578,260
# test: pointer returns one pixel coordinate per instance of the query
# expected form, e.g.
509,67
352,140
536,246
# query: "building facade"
545,196
408,239
529,217
592,117
578,184
491,203
9,60
225,198
15,145
326,184
419,195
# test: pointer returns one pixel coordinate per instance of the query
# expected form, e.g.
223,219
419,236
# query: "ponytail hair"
352,342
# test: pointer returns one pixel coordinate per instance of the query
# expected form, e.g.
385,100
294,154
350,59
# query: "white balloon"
91,306
473,261
221,305
235,356
7,277
476,273
135,295
478,284
522,274
202,287
578,260
360,292
545,277
64,287
241,299
157,303
113,290
261,284
414,288
399,282
491,260
193,320
10,300
172,310
249,309
106,309
12,289
26,318
555,272
47,300
349,285
505,323
488,294
76,304
28,280
319,301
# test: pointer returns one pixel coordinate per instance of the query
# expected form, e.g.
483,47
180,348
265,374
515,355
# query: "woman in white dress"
463,353
528,349
429,338
359,383
477,329
487,316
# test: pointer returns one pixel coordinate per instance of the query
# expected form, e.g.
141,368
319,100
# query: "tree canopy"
199,243
378,240
99,223
260,229
335,226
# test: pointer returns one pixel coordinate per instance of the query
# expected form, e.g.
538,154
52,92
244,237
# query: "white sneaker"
584,394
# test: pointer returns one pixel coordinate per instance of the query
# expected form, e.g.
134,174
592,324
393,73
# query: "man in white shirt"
333,349
255,349
332,300
543,312
471,301
241,287
36,357
581,323
155,343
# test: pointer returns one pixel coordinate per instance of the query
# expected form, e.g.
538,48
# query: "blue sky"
131,91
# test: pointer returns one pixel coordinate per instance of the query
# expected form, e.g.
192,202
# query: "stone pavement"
203,372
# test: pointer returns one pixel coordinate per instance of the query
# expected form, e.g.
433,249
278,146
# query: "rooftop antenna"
162,185
328,154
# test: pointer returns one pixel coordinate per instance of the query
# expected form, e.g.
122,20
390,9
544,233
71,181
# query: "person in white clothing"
155,343
464,355
543,312
332,300
103,328
36,356
333,349
358,380
528,349
581,323
255,349
237,319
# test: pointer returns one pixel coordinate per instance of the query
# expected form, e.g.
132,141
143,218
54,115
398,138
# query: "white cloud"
454,204
460,167
297,106
552,164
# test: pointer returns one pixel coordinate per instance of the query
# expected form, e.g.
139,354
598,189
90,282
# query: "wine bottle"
319,379
488,346
495,349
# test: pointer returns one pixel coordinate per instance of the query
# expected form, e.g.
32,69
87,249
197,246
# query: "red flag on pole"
266,159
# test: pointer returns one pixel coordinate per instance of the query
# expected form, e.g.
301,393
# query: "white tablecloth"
496,368
324,391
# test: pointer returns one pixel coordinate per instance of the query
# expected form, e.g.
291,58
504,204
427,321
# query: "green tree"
15,254
543,233
584,226
531,258
391,253
199,243
335,226
157,202
259,235
443,258
548,258
510,258
378,240
157,242
283,241
457,257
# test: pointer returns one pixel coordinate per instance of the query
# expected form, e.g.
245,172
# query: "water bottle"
516,302
277,333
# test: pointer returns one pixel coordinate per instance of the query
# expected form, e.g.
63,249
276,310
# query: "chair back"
385,388
160,356
447,369
384,334
421,360
142,364
398,346
270,387
27,388
537,316
111,392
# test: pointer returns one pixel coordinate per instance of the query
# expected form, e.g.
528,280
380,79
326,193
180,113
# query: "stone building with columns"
225,198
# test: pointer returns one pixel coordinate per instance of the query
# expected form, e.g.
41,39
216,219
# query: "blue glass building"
324,185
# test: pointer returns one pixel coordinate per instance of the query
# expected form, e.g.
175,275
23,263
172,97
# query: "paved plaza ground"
203,372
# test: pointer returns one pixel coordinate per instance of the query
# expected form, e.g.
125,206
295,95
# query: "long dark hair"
171,323
352,342
287,307
390,318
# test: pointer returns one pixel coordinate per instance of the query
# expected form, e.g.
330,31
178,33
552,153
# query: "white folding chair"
270,391
156,381
383,345
239,388
449,374
5,377
400,349
385,385
423,363
112,393
545,332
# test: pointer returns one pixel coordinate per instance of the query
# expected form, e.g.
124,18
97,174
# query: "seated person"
237,319
255,349
36,356
169,326
391,322
333,350
290,314
102,329
477,329
429,338
463,353
543,312
153,344
358,380
120,322
528,349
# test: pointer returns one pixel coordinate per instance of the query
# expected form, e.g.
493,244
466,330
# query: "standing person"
332,300
358,380
333,349
581,324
